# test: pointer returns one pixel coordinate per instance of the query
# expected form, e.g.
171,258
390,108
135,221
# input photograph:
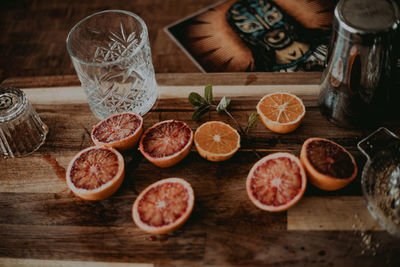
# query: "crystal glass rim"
74,57
22,106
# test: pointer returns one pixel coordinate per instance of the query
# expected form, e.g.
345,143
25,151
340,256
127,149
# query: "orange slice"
216,141
95,173
166,143
163,206
276,182
281,112
121,131
329,166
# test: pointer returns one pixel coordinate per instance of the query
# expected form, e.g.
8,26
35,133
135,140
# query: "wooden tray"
42,223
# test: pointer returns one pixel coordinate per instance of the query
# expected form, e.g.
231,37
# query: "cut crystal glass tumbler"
111,54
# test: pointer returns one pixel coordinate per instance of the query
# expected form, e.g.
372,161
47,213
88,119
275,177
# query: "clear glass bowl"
21,130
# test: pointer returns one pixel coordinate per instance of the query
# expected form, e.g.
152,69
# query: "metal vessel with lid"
357,83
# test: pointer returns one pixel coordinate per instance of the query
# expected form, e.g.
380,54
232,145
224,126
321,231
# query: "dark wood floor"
33,33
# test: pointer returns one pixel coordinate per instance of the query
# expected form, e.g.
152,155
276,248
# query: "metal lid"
12,102
367,16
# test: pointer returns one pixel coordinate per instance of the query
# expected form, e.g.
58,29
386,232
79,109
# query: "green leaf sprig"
205,104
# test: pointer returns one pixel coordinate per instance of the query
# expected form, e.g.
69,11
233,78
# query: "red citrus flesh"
163,206
329,166
121,131
330,159
95,173
166,143
276,182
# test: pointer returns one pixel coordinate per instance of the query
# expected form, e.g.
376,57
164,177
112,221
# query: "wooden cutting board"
43,224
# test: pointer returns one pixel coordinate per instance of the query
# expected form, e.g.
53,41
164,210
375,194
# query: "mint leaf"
208,94
223,104
196,100
252,123
200,111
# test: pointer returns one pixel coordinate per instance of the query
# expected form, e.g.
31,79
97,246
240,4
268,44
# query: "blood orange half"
95,173
163,206
121,131
329,166
166,143
276,182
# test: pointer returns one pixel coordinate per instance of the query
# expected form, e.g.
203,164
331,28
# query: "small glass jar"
21,130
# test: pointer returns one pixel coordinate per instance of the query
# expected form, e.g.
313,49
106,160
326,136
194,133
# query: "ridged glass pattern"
21,129
111,54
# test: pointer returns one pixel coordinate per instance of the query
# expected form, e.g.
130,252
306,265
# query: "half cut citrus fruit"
281,112
166,143
329,166
276,182
163,206
95,173
216,141
121,131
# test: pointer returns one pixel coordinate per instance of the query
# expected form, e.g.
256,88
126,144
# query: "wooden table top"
43,224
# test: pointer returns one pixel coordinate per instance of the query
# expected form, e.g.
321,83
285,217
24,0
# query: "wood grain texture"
76,95
57,263
176,79
42,222
331,213
34,32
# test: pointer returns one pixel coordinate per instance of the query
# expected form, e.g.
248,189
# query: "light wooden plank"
331,213
237,91
34,175
63,263
76,95
56,95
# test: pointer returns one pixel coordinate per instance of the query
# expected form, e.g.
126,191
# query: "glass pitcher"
381,178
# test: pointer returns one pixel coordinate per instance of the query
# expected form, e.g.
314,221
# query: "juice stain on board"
58,169
161,238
